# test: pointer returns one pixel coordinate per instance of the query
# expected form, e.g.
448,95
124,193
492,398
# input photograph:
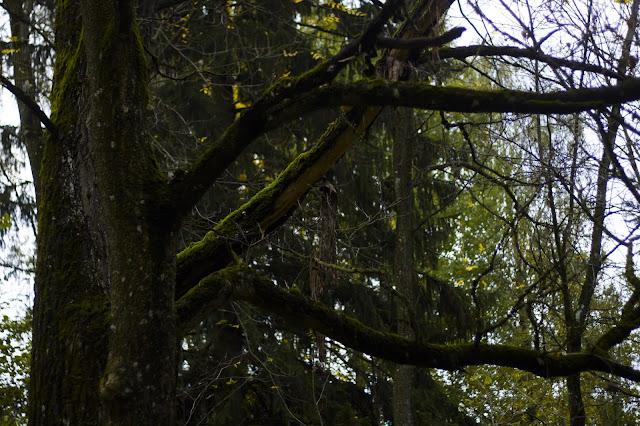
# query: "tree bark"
104,341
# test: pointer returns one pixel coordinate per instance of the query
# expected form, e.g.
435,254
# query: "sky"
8,109
15,291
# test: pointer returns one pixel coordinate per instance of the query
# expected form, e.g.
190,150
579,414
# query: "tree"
14,352
113,301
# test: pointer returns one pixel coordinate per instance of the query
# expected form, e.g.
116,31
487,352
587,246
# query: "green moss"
89,315
290,85
66,70
249,215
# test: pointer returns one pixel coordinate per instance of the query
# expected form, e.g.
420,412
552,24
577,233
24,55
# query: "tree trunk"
104,342
403,261
24,78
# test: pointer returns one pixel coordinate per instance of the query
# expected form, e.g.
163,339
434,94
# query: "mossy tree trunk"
104,343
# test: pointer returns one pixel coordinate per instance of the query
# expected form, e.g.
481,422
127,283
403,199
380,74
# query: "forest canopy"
322,212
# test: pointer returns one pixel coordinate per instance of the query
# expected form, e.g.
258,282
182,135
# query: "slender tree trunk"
403,260
323,276
608,136
25,79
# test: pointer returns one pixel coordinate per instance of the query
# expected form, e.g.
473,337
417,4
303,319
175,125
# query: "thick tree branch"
515,52
32,105
420,42
269,208
238,282
425,96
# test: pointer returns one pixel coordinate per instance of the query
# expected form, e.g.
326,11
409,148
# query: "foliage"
15,347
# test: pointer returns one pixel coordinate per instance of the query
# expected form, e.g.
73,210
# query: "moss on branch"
425,96
269,208
239,282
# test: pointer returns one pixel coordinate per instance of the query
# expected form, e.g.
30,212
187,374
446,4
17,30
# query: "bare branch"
515,52
32,105
630,318
420,42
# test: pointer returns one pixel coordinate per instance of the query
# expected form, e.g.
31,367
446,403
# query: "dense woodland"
318,212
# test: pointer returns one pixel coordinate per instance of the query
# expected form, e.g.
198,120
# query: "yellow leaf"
231,381
236,92
275,387
202,139
470,268
481,247
459,283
